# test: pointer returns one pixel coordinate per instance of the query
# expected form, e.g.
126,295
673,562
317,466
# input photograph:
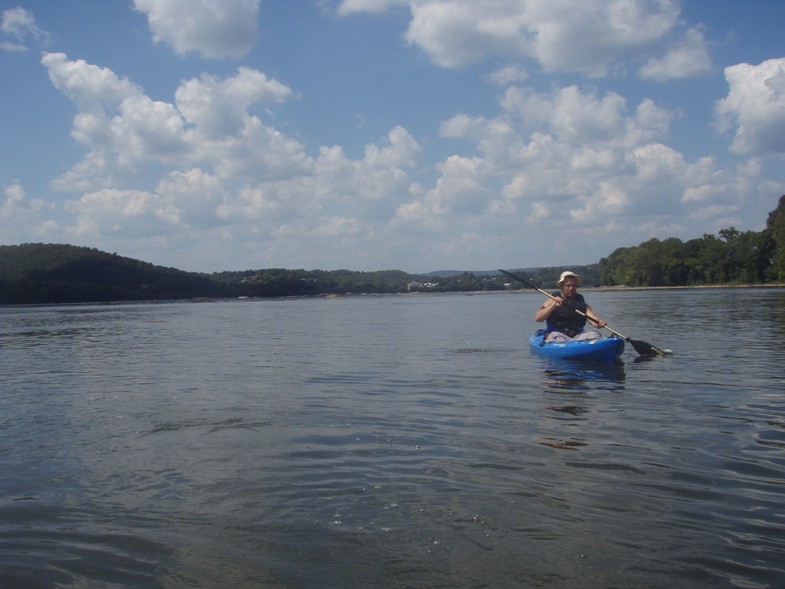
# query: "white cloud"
220,107
181,201
209,125
402,151
587,36
333,197
455,33
581,117
92,88
15,204
213,28
755,107
24,219
334,187
510,74
121,127
576,160
130,213
590,36
339,227
689,57
373,6
459,191
194,195
19,29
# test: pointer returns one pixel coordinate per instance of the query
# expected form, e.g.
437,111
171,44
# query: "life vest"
565,319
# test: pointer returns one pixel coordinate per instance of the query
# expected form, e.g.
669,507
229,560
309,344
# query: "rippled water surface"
399,441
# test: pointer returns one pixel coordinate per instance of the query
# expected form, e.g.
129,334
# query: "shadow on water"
571,389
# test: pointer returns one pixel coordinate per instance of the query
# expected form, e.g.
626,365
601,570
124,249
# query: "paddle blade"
646,349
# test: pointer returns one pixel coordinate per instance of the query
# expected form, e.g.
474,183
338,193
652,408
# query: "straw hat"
567,274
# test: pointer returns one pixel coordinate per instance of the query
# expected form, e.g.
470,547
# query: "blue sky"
417,135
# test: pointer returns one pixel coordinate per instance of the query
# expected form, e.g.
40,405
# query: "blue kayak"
606,349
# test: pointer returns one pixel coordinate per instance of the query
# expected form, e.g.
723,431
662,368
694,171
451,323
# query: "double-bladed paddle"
643,348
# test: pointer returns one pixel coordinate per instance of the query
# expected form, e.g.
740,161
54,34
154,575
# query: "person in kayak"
563,323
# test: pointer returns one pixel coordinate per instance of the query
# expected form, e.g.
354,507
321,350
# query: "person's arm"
592,316
547,308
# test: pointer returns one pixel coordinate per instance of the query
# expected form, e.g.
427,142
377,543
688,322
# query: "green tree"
616,269
775,225
714,259
755,256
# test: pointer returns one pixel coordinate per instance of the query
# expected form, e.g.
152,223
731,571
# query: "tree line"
37,273
55,273
730,257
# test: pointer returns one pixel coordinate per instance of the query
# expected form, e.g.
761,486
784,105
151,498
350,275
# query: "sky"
417,135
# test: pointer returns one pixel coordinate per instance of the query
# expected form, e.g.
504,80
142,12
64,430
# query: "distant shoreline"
620,288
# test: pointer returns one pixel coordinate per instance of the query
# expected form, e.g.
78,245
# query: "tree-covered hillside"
730,257
46,273
53,273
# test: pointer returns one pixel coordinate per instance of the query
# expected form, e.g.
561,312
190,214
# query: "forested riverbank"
38,273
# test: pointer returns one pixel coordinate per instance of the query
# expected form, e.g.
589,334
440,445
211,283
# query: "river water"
392,441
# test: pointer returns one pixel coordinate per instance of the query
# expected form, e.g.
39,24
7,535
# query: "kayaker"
563,323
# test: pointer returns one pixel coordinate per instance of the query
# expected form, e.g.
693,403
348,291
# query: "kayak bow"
607,349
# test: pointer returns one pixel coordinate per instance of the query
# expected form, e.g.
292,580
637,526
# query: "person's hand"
557,301
598,322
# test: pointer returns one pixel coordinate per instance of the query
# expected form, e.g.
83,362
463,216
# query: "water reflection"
576,377
573,387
